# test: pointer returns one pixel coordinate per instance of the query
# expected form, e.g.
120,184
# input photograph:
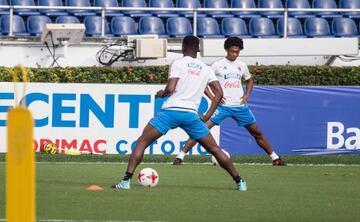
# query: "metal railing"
195,11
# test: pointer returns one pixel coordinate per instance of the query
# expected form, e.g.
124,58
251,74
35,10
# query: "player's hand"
160,93
202,117
223,100
244,100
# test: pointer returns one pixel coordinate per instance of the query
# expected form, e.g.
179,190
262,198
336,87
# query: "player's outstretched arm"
249,87
208,93
218,95
169,89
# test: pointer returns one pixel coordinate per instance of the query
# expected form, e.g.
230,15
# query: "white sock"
181,155
274,156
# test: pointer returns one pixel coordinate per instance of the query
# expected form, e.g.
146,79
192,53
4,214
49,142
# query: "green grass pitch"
195,192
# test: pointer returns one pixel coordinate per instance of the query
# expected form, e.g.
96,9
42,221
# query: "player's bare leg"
149,135
189,145
209,143
261,140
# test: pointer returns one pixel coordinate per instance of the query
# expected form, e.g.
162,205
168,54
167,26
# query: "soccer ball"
214,161
148,177
50,148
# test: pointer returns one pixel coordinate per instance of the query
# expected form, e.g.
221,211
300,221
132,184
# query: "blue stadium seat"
271,4
69,19
108,3
217,4
294,28
36,24
163,4
317,27
234,27
350,4
123,25
244,4
325,4
344,27
24,12
52,12
299,4
178,27
189,4
208,27
262,28
152,25
4,11
134,4
18,25
79,12
93,26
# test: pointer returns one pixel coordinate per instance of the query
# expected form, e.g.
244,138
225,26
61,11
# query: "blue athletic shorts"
190,122
241,114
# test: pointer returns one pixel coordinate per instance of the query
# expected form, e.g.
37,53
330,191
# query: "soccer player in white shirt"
188,78
230,71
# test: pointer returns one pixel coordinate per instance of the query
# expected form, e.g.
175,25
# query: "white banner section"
94,118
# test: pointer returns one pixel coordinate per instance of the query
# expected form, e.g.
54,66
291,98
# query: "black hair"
233,41
191,42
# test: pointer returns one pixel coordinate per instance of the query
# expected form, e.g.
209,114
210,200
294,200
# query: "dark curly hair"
233,41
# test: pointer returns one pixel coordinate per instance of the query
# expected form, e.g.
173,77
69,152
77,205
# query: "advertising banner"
300,120
94,118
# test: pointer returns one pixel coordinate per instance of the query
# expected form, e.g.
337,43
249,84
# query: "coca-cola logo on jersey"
230,85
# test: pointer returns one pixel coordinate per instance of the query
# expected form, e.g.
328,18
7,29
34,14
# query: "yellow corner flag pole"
20,160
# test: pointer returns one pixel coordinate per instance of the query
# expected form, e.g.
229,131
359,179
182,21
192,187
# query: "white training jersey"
194,76
229,73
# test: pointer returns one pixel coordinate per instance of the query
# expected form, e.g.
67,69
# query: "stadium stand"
350,4
215,24
262,28
178,27
163,4
271,4
18,25
344,27
299,4
224,27
123,25
217,4
189,4
294,28
317,27
208,27
108,3
325,4
36,24
3,11
67,19
151,25
240,4
52,12
79,12
93,26
135,4
24,12
234,27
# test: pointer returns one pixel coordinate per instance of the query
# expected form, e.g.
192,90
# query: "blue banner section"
299,120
